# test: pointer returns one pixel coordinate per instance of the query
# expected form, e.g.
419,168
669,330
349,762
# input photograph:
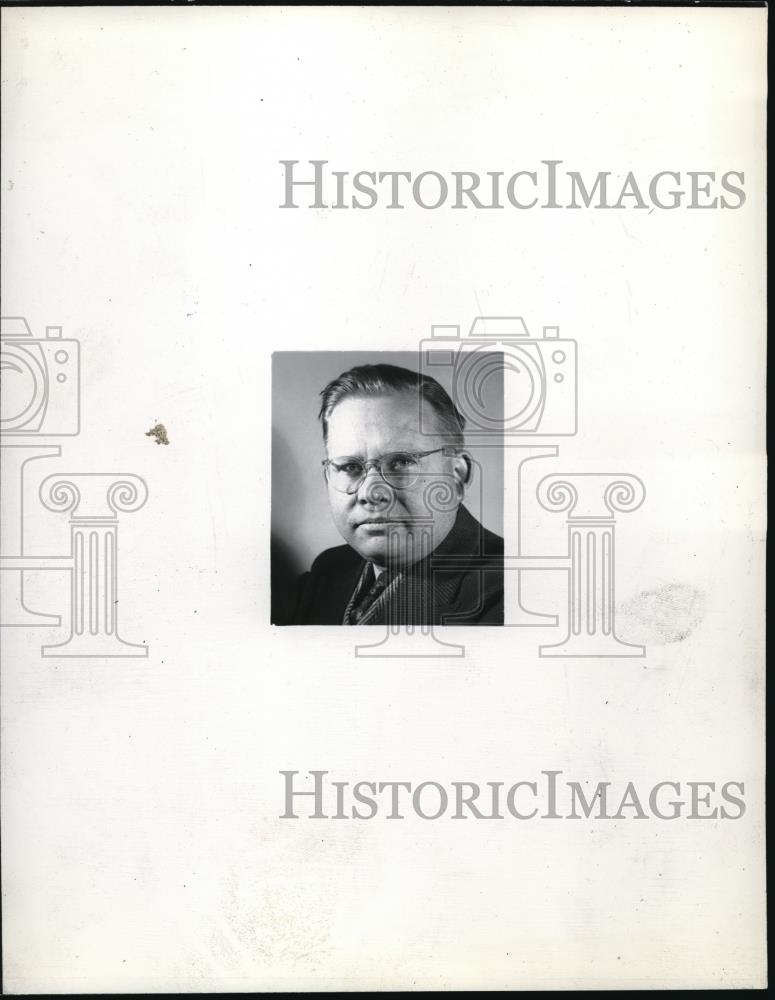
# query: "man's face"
368,427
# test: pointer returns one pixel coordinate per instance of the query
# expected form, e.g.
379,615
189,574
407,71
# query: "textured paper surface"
143,848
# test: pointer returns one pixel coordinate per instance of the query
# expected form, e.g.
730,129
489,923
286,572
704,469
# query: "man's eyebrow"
406,450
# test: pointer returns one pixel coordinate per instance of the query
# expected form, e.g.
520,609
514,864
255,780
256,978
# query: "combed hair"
378,380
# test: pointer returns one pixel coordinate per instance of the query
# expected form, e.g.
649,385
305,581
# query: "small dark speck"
159,434
10,184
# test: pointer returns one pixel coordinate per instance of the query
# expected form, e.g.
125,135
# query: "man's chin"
372,547
372,543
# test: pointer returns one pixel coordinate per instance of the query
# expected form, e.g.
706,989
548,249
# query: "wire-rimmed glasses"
399,469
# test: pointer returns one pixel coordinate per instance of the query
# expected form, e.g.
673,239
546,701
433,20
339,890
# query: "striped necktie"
369,596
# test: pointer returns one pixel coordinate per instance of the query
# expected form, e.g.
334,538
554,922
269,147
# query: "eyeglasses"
399,469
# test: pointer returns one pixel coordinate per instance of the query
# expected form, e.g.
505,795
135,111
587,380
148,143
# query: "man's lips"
377,522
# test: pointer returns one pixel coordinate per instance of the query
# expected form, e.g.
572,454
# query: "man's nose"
373,490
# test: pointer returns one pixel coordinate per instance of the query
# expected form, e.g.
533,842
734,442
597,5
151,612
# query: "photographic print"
382,549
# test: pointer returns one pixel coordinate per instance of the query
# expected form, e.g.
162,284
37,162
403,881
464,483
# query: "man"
396,473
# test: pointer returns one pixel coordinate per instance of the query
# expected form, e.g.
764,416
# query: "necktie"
365,601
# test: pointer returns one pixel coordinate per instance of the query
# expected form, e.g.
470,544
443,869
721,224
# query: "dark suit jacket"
459,583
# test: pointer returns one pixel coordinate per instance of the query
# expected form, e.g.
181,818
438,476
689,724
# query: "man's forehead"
386,421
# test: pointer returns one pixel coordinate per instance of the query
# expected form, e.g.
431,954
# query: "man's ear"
463,468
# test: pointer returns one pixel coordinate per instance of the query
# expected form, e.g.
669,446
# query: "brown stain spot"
159,434
662,616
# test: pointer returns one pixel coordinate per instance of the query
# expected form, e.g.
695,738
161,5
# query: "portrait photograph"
383,509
